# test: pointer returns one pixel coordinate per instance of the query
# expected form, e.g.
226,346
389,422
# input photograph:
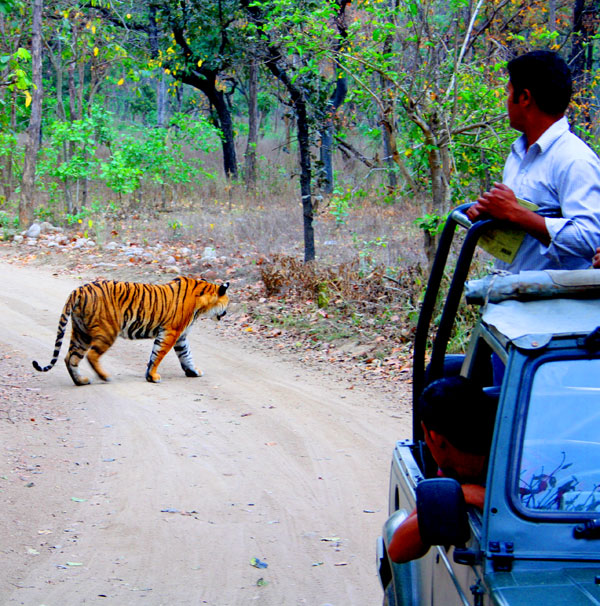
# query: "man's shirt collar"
549,136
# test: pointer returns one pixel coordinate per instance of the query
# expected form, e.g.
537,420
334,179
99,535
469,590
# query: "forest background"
322,142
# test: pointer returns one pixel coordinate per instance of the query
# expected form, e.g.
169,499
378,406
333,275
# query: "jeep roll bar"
423,375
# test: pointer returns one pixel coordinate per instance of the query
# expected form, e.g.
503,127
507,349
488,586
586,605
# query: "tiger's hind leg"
80,343
99,345
184,353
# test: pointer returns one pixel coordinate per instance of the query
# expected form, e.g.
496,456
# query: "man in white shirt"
549,166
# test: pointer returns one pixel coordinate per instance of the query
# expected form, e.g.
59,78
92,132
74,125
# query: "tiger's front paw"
193,372
153,378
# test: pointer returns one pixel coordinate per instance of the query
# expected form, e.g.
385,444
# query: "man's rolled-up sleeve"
577,232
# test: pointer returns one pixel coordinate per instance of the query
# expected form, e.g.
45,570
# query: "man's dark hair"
547,77
460,411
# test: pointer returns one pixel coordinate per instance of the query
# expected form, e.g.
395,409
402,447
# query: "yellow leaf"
120,82
93,29
27,99
128,16
200,62
95,51
167,71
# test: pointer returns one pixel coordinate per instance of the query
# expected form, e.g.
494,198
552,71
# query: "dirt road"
132,493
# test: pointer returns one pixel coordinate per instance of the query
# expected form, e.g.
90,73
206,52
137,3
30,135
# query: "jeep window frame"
530,368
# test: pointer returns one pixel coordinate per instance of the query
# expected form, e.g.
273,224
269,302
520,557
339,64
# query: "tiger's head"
222,301
213,301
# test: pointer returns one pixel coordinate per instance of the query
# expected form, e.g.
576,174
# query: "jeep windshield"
558,471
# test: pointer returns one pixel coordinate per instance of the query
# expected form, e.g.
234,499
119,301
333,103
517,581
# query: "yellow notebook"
503,243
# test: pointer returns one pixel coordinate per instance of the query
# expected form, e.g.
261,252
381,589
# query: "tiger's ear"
223,288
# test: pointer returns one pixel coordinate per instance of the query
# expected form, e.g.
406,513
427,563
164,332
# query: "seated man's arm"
406,544
576,233
474,495
501,203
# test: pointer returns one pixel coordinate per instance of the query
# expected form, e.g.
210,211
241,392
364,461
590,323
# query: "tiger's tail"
62,325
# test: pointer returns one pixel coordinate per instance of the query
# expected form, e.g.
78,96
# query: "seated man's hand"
596,260
499,203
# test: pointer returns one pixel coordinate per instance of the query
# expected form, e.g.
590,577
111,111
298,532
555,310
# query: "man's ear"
525,97
437,439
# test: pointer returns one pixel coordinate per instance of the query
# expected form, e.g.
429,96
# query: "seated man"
458,422
548,166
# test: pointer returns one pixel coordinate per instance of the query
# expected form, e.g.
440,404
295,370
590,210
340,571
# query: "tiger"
105,309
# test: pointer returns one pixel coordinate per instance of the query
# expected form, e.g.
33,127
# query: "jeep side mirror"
442,512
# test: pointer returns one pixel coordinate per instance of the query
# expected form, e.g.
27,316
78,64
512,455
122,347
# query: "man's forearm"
533,224
406,544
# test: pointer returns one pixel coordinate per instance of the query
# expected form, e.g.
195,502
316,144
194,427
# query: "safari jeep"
536,350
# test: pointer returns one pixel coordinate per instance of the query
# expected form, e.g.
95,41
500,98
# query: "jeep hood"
568,586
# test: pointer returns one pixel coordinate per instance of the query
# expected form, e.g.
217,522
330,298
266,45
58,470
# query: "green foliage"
432,223
366,250
8,221
11,151
7,5
156,157
340,205
307,35
15,71
44,213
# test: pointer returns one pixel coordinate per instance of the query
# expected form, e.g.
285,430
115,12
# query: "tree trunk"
161,83
9,168
80,88
341,88
581,58
58,69
228,141
337,98
161,100
277,66
299,103
35,121
67,146
305,180
250,155
207,85
72,91
552,15
389,129
577,59
438,166
389,148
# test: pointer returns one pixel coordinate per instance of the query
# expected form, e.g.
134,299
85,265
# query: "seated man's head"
458,421
545,76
